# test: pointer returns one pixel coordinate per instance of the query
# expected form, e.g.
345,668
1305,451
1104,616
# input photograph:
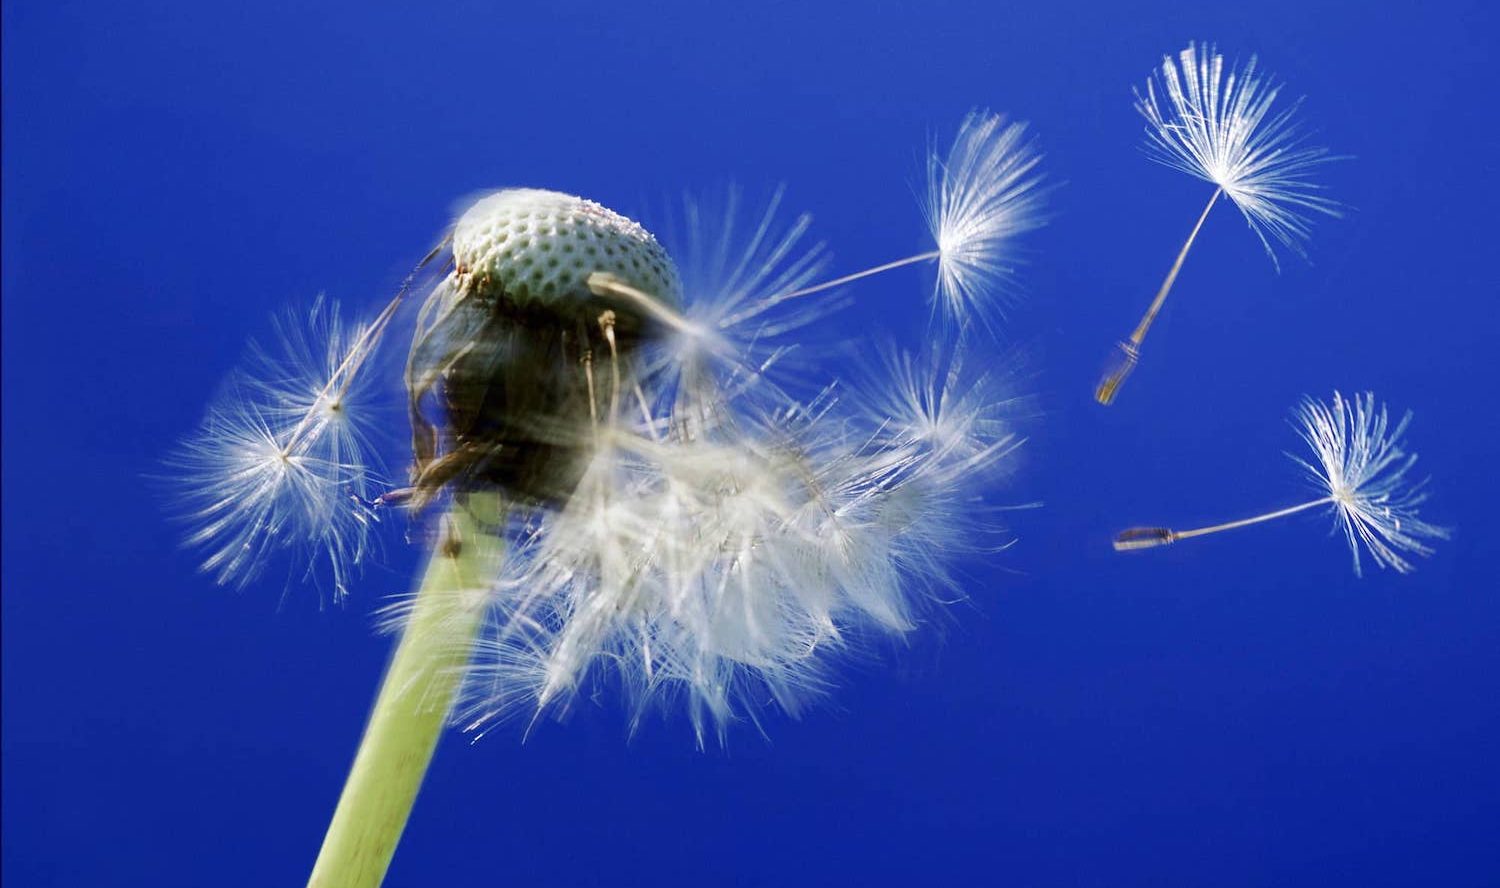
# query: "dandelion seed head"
982,193
1361,463
1221,124
512,347
536,245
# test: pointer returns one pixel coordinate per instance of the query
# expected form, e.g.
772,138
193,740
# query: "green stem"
413,705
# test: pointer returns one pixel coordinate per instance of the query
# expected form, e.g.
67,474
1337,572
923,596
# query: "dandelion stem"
1150,537
412,706
1130,351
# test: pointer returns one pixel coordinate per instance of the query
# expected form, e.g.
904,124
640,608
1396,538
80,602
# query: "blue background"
1236,711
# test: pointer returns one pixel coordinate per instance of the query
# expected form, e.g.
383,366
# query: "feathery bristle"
737,264
982,193
1216,122
283,458
1362,467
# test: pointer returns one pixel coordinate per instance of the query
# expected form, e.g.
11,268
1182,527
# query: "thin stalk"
1130,350
1166,285
413,704
602,283
850,278
605,284
1151,537
343,376
607,325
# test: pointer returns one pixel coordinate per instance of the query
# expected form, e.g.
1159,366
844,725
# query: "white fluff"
1217,123
981,193
723,567
283,458
1361,465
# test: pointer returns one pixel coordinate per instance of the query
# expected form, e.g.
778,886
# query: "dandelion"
1360,466
629,499
983,192
627,488
504,402
1218,124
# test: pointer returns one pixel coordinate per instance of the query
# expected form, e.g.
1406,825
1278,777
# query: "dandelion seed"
283,458
1360,465
1218,125
980,195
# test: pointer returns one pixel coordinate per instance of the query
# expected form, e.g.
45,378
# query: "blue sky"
1236,711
